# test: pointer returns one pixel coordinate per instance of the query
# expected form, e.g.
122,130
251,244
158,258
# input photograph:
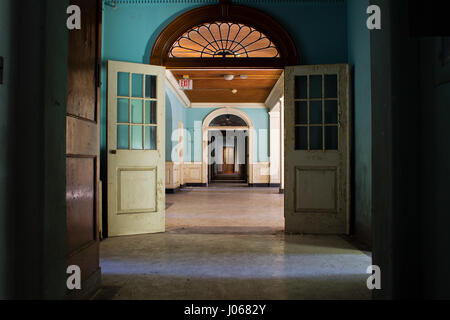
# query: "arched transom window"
223,40
228,120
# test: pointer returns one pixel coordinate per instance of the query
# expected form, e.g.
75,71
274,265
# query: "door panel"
228,159
136,148
317,144
82,147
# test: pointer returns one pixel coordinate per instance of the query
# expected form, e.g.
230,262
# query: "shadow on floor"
155,287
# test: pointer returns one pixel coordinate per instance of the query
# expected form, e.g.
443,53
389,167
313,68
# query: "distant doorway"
232,153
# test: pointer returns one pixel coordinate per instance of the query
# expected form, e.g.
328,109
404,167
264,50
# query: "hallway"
236,254
225,208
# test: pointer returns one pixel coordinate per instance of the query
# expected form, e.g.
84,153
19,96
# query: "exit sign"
186,84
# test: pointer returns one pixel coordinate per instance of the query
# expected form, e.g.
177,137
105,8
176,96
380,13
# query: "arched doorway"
237,124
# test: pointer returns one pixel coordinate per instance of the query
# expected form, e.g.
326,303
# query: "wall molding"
276,94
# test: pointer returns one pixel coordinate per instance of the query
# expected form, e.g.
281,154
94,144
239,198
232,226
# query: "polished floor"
227,243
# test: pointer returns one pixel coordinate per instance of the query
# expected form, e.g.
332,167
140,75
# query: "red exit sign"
186,84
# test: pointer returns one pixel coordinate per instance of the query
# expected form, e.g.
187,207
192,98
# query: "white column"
275,148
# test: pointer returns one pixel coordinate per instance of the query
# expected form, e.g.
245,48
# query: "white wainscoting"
173,175
192,172
261,173
178,174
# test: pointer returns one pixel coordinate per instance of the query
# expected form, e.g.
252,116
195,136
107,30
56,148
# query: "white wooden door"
317,149
136,148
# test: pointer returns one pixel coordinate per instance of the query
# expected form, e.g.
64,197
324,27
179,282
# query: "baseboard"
89,287
172,191
195,185
275,185
259,185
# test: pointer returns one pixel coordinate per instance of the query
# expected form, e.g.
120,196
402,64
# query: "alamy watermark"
74,279
374,20
374,280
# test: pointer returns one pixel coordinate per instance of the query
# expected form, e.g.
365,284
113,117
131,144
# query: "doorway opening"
232,156
234,83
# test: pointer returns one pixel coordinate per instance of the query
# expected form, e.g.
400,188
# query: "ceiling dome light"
234,91
243,76
228,77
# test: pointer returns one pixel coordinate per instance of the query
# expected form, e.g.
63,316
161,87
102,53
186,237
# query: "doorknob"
113,151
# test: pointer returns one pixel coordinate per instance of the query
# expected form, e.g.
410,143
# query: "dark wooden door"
228,160
82,150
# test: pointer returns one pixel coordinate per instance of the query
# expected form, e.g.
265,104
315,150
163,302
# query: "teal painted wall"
175,111
8,52
318,27
359,58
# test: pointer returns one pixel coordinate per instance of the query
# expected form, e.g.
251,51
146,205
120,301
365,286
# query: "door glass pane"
316,112
331,112
331,138
150,112
301,138
122,137
136,111
137,85
301,87
123,84
331,86
136,137
316,138
301,112
315,86
122,111
150,138
150,86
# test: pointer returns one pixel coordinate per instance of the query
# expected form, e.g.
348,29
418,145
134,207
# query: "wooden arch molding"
225,12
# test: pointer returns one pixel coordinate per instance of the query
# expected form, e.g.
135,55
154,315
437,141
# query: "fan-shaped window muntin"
223,40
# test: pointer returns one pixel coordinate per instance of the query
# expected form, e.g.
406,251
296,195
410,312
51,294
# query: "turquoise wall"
175,111
359,58
318,27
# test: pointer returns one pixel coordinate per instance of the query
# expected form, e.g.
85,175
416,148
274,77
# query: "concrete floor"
227,243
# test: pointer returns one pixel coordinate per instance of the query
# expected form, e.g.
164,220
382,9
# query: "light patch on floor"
220,245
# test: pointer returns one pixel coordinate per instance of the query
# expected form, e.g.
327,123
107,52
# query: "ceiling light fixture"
234,91
228,77
244,76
